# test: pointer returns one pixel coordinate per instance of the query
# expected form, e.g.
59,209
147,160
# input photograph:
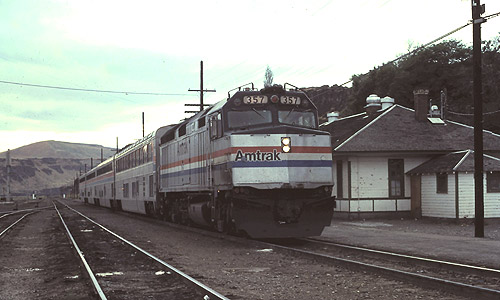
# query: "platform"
437,239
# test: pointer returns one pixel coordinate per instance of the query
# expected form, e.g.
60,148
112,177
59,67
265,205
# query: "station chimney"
421,100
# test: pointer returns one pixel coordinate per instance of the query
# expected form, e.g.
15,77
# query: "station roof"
397,130
460,161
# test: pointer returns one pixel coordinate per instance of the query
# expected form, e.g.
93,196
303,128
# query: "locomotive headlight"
286,144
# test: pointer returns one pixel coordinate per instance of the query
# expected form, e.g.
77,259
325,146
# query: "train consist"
255,163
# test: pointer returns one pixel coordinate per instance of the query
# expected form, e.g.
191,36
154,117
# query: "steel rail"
14,224
97,287
458,266
13,212
428,280
185,276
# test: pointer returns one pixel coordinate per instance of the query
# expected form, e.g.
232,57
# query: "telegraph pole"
8,166
201,90
477,10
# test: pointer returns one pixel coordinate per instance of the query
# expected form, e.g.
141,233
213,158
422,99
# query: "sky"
155,47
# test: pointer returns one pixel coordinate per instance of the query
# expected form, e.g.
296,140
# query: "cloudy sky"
156,47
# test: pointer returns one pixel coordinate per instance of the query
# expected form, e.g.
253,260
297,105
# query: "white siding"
467,199
370,175
466,195
404,204
385,205
370,183
434,204
342,205
443,205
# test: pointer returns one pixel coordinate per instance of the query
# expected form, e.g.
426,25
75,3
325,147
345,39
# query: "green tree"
443,65
269,77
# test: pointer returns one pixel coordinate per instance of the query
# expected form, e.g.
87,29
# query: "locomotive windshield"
248,118
297,118
270,107
258,116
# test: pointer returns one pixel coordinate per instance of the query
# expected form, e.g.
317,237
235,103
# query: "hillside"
48,165
55,149
37,174
328,99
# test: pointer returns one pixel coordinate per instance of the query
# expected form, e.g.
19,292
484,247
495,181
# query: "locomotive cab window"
215,126
248,118
297,118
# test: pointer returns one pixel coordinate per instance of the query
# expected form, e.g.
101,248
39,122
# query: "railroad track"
10,220
472,281
14,212
20,205
119,269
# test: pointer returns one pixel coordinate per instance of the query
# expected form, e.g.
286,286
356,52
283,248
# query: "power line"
470,115
90,90
433,41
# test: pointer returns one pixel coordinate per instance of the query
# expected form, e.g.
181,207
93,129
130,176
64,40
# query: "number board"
293,100
255,99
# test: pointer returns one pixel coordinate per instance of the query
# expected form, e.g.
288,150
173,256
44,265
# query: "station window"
441,183
493,182
396,178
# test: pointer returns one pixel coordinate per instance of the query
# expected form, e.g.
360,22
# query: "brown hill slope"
55,149
48,165
37,174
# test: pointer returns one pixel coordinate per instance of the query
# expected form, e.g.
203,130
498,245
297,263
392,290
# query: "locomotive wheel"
226,225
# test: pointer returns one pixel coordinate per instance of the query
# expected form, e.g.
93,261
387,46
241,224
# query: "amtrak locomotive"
255,163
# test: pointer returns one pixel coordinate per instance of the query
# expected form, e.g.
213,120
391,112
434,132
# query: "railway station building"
393,161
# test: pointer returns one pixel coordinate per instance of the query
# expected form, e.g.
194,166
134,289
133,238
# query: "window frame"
441,183
396,166
215,125
493,177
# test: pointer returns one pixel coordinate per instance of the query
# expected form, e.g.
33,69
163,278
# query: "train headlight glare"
286,149
285,141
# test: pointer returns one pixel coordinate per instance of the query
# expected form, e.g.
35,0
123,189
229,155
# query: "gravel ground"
238,269
243,270
37,262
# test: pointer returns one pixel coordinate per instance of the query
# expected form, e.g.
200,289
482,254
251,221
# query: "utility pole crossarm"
201,90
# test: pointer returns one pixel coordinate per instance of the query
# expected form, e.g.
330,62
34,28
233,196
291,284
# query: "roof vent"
435,112
386,102
333,116
372,104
